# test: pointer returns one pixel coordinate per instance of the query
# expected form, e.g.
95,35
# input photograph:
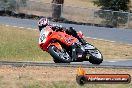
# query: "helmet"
43,22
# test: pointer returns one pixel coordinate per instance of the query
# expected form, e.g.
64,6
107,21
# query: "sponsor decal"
83,78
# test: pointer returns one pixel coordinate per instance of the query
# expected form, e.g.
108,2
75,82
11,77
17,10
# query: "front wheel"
95,56
60,56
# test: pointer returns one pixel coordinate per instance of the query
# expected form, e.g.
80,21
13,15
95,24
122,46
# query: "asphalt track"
124,64
112,34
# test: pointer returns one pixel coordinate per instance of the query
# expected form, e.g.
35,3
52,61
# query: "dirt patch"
77,3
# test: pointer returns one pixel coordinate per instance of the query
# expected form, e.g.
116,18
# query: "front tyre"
95,56
60,56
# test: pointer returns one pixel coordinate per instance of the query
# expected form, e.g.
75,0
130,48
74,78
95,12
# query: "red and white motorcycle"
65,48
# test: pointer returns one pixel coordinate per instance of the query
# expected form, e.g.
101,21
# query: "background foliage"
111,11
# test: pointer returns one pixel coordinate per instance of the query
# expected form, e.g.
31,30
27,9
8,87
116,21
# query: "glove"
57,28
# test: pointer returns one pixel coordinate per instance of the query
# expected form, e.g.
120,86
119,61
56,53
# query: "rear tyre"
60,56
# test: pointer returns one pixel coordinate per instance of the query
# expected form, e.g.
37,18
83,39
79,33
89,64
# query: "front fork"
74,51
74,56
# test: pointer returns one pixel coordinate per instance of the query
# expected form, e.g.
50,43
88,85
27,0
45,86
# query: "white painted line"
112,61
109,41
116,60
19,27
29,28
101,39
7,25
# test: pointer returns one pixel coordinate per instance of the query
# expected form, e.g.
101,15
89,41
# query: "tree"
113,17
23,3
57,6
115,5
12,5
8,5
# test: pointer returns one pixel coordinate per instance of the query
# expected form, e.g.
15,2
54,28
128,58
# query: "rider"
43,22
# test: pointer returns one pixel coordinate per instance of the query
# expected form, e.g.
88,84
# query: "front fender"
56,44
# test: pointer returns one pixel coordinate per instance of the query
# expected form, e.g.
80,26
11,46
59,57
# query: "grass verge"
113,50
19,44
22,45
53,77
74,85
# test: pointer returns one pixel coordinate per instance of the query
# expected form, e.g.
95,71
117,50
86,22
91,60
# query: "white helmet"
43,22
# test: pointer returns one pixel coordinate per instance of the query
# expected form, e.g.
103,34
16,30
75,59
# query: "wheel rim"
62,53
95,53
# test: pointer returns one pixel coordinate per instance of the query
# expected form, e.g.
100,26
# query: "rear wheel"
60,56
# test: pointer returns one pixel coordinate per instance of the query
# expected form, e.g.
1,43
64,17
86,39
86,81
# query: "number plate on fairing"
43,36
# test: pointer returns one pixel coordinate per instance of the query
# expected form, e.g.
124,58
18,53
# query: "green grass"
75,85
18,44
66,85
62,84
52,77
22,45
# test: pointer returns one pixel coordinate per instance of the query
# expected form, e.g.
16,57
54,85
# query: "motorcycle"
65,48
